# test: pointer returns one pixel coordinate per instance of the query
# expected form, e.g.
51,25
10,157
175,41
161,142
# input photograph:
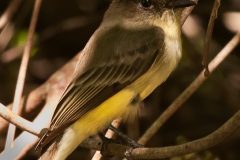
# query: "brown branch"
209,36
189,91
18,121
25,59
9,13
12,53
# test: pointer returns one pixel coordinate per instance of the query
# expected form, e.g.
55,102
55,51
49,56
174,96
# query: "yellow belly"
96,120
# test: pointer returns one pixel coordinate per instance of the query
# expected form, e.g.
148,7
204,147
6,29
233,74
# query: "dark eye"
146,3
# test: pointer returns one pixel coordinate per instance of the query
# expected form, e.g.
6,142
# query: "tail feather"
49,151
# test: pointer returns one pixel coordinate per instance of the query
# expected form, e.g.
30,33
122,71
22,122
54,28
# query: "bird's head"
141,12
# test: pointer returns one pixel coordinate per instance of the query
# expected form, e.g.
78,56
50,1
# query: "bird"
133,51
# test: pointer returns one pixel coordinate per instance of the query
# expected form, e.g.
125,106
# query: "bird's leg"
126,138
105,142
136,102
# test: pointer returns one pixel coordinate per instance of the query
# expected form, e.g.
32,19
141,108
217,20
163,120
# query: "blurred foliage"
212,105
19,37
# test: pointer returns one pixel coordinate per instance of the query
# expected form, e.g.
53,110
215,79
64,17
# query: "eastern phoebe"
133,51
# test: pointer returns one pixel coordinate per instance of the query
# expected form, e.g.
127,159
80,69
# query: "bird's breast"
164,64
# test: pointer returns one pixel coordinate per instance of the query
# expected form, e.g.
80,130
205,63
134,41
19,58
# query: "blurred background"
62,31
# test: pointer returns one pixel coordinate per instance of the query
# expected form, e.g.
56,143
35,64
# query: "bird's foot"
125,138
132,143
105,142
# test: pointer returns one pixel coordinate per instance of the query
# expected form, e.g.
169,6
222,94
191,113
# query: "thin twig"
18,121
9,13
22,71
189,91
209,36
26,54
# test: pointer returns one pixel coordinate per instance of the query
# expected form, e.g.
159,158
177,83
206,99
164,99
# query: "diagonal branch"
18,121
9,13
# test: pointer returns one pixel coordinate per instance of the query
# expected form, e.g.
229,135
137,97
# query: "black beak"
180,3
